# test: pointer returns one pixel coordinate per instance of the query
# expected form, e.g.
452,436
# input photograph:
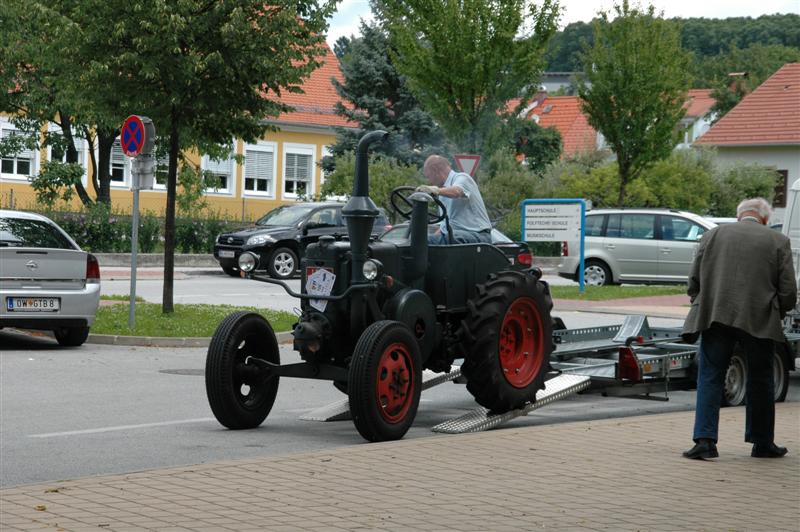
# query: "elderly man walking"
741,285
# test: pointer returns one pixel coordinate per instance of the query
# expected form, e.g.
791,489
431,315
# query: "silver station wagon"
654,246
46,281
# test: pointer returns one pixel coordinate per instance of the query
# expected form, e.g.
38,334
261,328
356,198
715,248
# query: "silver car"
635,246
46,281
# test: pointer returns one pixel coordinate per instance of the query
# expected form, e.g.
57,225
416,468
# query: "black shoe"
703,449
768,451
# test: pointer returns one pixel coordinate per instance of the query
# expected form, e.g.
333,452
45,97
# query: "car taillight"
564,249
525,257
628,365
92,269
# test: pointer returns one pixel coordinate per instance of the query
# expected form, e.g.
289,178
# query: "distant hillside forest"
704,37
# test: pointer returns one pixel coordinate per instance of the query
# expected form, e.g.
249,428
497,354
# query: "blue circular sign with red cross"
132,136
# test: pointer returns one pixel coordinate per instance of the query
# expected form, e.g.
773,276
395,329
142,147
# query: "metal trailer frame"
586,359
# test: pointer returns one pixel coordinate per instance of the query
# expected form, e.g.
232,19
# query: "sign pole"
134,249
137,138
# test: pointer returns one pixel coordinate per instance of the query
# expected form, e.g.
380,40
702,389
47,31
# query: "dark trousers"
716,348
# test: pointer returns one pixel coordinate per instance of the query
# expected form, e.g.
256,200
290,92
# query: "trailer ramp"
479,419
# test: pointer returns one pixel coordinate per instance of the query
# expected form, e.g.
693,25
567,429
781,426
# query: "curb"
164,341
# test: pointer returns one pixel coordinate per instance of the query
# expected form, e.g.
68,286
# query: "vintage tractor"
374,314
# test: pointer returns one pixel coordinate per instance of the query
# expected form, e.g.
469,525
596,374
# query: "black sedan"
280,237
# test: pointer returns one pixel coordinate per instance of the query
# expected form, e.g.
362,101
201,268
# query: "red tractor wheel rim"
395,378
521,345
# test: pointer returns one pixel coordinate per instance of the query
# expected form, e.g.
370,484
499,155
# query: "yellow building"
277,169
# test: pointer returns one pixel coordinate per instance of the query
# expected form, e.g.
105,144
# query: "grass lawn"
187,320
604,293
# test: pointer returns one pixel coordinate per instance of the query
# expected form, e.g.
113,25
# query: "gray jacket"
742,277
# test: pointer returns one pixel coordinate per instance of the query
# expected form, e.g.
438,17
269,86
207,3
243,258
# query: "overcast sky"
346,19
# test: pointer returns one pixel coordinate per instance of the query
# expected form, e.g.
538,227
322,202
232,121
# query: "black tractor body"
375,314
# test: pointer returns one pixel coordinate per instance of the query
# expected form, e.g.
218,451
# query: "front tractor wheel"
385,381
507,340
240,394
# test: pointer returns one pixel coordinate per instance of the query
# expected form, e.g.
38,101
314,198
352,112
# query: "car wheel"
71,336
596,273
233,272
282,263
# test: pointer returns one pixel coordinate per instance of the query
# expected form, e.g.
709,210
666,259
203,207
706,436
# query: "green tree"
633,87
466,59
734,183
44,62
205,72
378,98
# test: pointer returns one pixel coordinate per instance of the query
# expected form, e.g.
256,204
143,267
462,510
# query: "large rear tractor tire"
734,392
239,395
507,340
385,381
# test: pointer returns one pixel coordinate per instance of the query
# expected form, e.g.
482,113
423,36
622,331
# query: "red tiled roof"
315,106
699,103
770,115
564,113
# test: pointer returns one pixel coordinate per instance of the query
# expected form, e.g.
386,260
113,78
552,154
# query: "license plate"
226,254
33,304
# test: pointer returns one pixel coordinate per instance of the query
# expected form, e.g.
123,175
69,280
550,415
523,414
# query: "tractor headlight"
372,269
247,262
256,240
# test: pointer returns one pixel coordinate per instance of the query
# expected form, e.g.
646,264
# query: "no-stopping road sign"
137,135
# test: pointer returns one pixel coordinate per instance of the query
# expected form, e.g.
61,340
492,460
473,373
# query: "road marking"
120,427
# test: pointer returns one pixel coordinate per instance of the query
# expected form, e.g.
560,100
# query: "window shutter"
258,164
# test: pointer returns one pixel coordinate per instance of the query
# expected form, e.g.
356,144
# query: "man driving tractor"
459,193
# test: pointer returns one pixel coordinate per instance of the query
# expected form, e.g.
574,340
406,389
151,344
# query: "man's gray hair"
759,205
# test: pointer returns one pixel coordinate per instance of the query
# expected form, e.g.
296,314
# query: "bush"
197,235
733,184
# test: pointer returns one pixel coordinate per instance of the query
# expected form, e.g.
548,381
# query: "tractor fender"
415,309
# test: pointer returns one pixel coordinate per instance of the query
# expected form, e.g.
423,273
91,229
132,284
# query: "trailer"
631,360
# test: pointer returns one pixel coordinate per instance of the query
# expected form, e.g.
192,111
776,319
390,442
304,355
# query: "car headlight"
247,262
255,240
371,269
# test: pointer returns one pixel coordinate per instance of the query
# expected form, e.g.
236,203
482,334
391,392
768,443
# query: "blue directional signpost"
138,138
555,220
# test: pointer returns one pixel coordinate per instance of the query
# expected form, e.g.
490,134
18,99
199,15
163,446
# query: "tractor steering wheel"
403,207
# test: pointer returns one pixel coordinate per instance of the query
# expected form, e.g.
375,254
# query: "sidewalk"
676,306
616,474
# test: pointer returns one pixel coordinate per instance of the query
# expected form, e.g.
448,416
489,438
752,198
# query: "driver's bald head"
436,169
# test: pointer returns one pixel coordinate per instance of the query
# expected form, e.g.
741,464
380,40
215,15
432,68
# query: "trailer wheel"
239,396
734,393
507,341
385,381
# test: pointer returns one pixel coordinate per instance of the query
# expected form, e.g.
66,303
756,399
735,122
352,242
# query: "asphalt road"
70,413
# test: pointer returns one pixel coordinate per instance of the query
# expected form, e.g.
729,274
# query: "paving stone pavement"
615,474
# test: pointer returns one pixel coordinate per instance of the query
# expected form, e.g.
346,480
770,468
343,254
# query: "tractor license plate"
226,253
33,304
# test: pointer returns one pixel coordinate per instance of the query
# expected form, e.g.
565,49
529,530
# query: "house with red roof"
564,113
764,128
280,167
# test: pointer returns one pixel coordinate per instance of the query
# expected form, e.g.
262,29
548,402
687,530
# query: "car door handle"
610,246
666,250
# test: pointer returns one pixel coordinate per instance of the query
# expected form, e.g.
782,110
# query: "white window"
259,169
223,172
57,150
120,166
20,165
298,170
